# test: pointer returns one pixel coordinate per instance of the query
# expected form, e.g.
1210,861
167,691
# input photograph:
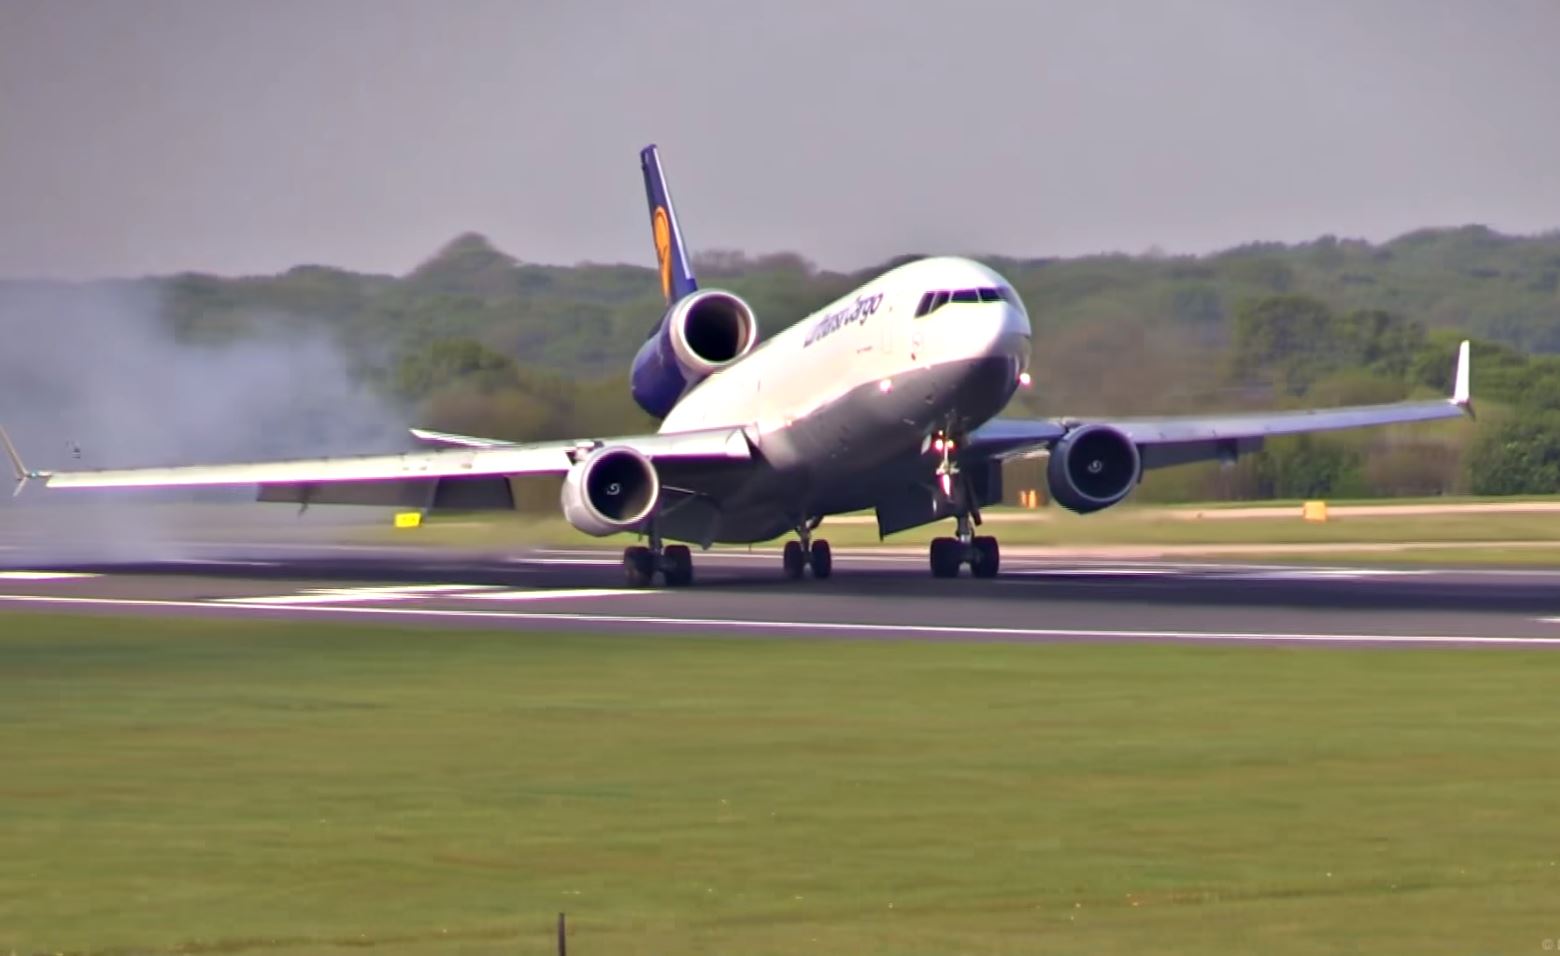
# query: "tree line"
474,341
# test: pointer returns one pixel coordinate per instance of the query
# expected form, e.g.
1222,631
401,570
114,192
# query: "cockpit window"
932,301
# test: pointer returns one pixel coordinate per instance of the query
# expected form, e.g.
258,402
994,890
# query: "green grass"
197,786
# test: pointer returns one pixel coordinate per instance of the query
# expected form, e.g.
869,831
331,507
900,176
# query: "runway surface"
872,595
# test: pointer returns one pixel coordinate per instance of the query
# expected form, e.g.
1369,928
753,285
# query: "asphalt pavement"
872,595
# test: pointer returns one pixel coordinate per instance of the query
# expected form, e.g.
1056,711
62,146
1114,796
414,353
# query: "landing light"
1024,379
886,386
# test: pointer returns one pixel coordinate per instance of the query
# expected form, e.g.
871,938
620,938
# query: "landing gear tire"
794,559
946,556
822,560
677,565
985,557
638,566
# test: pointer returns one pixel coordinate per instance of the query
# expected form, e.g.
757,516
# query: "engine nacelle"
610,490
699,335
709,330
1093,467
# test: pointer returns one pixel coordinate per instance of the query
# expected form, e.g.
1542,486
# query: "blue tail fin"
676,272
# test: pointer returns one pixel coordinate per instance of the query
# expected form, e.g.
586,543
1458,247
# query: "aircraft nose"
1007,331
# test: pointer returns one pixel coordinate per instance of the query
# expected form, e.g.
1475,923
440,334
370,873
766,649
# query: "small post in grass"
563,944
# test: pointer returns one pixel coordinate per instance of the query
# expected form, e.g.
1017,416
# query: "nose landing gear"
947,555
980,552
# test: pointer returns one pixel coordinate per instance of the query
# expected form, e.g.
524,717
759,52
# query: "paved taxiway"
871,596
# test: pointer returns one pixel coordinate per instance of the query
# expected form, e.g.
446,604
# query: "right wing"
473,475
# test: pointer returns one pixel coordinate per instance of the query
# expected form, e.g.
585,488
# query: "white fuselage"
862,341
841,407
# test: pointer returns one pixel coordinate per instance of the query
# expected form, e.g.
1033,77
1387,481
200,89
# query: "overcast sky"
153,136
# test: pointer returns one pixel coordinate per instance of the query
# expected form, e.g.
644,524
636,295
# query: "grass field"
250,787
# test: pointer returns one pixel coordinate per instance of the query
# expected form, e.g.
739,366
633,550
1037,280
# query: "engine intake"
699,335
610,490
1093,467
709,330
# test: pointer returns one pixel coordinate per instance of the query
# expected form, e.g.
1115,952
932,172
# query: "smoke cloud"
92,377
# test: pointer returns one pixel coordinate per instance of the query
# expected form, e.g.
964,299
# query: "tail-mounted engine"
610,490
1093,467
699,335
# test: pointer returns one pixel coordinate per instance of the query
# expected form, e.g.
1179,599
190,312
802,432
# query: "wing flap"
486,493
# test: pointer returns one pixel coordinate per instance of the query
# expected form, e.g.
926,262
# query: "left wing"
1182,439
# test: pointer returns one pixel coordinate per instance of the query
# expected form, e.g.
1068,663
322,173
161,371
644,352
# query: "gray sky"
152,136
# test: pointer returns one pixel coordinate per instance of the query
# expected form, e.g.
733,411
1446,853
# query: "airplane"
885,399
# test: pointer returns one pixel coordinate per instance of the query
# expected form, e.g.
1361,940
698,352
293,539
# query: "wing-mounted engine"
1093,467
612,489
699,335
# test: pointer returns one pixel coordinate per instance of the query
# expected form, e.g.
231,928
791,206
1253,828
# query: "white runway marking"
547,594
358,594
830,627
1310,574
1081,572
43,575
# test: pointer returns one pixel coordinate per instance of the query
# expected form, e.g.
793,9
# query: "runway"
872,595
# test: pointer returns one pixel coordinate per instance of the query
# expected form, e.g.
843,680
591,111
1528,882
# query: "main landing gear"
980,552
674,562
798,556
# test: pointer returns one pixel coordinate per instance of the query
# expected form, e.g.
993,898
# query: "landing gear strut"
798,556
980,552
673,561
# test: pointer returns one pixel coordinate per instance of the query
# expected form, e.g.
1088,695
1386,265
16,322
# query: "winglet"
1462,397
22,474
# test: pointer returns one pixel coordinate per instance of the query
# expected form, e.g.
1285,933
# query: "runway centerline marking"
836,627
44,575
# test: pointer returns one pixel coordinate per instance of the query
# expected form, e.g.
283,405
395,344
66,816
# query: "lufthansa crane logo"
662,226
